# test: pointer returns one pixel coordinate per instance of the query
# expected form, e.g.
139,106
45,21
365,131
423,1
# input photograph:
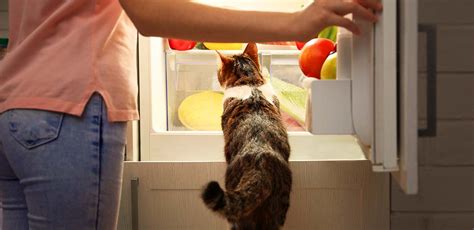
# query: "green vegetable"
200,46
292,98
329,33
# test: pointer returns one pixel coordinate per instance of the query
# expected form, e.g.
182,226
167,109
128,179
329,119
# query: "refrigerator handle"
134,201
431,51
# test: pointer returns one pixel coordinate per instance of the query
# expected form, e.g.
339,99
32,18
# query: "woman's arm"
186,19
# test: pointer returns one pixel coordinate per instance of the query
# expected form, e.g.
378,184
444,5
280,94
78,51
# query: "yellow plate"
223,46
202,111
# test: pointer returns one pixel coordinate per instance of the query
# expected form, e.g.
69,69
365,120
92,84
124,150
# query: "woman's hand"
323,13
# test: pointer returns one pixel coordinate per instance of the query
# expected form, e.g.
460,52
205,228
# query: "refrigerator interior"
176,76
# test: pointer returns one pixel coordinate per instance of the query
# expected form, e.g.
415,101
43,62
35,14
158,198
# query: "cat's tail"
241,202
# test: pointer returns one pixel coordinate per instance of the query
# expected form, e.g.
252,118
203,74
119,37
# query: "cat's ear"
252,51
224,59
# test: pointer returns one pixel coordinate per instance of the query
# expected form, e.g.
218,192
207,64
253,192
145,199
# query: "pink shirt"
61,52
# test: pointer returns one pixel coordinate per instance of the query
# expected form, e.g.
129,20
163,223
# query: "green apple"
328,71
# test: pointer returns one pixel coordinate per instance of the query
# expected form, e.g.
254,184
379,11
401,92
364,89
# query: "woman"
68,85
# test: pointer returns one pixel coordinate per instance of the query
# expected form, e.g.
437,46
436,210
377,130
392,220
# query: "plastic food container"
3,47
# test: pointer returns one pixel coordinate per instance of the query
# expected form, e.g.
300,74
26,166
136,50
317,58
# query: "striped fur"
258,179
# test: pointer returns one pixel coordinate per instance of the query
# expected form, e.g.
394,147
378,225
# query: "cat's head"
242,69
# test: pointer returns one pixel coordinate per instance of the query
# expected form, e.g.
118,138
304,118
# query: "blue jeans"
59,171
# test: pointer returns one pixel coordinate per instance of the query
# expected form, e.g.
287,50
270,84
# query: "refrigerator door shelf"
329,109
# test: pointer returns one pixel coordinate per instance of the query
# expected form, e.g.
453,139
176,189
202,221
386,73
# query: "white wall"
446,197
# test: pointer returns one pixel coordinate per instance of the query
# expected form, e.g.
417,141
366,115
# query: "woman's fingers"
356,9
343,22
371,4
331,13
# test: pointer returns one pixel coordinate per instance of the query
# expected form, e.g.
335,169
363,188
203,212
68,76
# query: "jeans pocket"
33,128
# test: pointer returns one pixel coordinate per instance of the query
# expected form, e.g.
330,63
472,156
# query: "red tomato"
313,55
178,44
300,45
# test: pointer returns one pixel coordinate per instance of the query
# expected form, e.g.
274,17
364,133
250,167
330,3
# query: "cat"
258,178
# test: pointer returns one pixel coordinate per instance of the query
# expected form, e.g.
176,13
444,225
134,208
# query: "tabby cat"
258,178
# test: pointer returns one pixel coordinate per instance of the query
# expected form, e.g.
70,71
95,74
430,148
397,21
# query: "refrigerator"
369,116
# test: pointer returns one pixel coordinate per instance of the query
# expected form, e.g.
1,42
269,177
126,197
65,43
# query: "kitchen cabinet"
332,195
